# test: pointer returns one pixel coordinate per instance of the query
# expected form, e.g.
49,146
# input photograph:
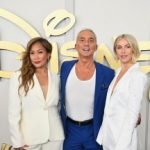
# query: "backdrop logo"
51,26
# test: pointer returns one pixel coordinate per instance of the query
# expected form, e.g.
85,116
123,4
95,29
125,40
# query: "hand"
21,148
139,120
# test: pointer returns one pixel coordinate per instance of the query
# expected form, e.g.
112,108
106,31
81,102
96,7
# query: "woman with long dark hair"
33,101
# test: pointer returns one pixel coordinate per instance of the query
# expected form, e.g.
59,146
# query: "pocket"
104,86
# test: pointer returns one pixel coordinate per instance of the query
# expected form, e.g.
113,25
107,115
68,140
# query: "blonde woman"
33,104
118,130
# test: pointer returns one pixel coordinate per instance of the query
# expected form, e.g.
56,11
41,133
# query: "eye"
40,52
118,47
128,46
81,40
91,40
31,52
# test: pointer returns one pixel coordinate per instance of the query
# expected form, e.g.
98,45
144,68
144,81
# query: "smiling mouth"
86,49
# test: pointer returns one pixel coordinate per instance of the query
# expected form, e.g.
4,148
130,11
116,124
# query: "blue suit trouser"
80,138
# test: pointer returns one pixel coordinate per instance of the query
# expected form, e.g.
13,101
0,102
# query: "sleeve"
14,112
136,90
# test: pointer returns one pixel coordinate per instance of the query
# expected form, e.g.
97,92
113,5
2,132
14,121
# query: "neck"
41,70
85,63
127,66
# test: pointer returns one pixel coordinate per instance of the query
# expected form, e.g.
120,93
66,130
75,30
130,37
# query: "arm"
14,113
136,90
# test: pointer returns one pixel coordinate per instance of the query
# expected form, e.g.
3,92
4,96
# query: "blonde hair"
27,69
133,43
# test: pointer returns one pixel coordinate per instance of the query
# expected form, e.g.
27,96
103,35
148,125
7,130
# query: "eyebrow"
37,49
89,38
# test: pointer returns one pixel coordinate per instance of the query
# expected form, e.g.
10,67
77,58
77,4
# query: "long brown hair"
27,69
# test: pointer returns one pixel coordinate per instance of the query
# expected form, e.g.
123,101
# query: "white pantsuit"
33,119
118,130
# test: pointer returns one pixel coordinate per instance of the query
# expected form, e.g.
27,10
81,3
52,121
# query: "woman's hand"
21,148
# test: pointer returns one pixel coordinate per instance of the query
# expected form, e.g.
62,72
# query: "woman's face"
124,51
39,56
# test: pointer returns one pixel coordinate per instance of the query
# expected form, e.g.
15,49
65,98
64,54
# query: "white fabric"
49,145
32,119
118,130
79,97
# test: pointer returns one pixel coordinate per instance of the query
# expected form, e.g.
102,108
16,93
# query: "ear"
49,57
75,46
96,47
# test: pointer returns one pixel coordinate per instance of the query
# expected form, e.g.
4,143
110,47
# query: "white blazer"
118,130
32,119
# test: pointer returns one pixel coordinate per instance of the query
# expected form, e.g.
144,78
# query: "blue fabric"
104,76
80,138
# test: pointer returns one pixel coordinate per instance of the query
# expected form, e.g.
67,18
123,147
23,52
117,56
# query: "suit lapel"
38,90
98,83
53,87
50,85
64,75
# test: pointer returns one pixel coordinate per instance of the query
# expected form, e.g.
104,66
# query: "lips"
36,62
124,56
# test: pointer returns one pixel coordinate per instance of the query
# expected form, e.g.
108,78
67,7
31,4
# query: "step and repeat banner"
59,22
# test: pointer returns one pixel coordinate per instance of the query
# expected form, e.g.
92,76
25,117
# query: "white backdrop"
107,18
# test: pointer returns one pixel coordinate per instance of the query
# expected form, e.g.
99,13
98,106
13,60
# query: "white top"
79,97
118,130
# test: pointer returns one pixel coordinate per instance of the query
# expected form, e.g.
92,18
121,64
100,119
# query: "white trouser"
49,145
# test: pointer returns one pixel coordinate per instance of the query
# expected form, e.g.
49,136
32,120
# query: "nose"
123,49
86,42
36,56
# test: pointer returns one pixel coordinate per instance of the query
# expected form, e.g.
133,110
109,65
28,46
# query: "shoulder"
15,75
66,66
68,63
14,79
105,69
138,75
53,75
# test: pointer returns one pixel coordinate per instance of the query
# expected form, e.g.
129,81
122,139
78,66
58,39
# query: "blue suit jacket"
104,76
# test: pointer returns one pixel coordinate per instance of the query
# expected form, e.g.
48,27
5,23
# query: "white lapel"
52,87
52,91
124,78
37,89
109,93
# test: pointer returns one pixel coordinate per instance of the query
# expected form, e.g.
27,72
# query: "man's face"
86,44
